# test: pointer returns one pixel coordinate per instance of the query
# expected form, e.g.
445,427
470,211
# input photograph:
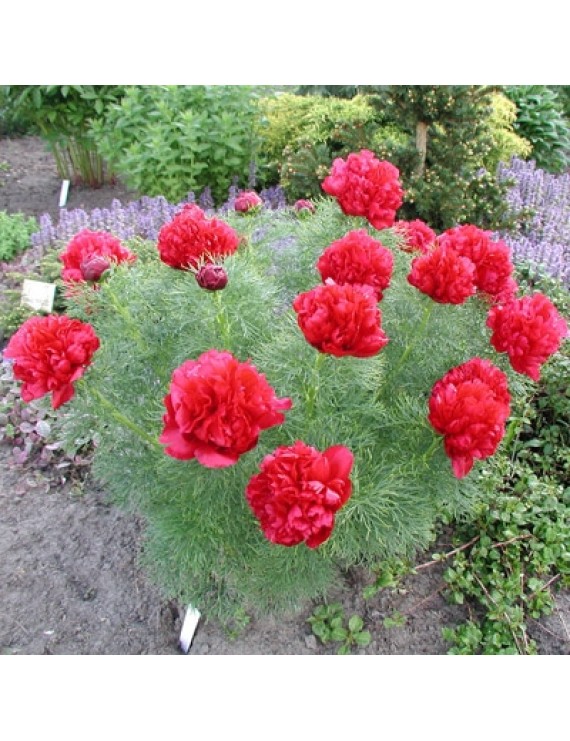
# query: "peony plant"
284,398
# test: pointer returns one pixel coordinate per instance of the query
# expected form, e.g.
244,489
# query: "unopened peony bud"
212,277
94,267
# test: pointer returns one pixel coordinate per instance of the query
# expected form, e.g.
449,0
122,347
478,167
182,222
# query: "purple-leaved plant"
543,235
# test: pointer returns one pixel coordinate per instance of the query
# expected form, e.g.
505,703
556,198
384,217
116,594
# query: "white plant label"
63,193
189,626
38,295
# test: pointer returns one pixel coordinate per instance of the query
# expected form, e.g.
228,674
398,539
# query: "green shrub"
442,159
11,122
506,143
62,114
169,140
563,93
301,135
15,232
540,120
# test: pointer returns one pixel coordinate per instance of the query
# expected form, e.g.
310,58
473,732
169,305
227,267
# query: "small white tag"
188,628
63,193
38,295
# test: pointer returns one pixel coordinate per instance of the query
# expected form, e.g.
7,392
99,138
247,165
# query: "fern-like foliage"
203,544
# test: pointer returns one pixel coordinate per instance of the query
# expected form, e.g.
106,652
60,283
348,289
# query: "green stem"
512,430
314,385
130,323
418,334
222,320
431,450
125,421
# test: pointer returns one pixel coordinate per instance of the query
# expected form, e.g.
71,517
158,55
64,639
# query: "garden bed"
71,583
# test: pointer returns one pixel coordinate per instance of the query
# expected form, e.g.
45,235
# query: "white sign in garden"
38,295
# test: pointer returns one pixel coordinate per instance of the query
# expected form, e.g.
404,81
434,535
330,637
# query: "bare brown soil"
70,582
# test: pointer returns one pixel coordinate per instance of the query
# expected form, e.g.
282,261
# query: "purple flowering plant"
542,236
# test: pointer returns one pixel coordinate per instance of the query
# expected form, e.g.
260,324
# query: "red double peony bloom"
492,260
49,354
89,254
247,200
529,329
366,186
298,491
470,406
357,258
191,239
216,409
341,320
444,276
418,235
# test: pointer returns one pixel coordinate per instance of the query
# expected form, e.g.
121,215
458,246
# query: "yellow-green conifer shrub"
507,143
293,128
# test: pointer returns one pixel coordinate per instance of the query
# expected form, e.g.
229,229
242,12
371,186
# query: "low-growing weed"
329,624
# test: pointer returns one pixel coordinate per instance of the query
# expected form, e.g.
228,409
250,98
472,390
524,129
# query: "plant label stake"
37,295
188,628
63,193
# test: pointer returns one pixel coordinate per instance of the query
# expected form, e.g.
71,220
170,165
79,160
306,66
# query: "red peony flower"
470,406
341,320
304,206
492,260
216,408
418,235
529,329
357,258
298,491
191,239
212,277
247,200
366,186
49,354
444,276
89,254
